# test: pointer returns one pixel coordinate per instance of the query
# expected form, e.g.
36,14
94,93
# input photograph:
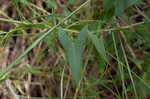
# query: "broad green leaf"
99,45
75,61
74,51
81,39
63,39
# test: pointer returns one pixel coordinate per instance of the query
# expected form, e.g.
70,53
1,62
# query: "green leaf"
108,2
81,39
74,51
63,39
99,45
51,3
6,70
121,5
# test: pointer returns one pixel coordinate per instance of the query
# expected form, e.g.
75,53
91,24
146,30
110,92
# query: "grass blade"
120,67
37,41
129,70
